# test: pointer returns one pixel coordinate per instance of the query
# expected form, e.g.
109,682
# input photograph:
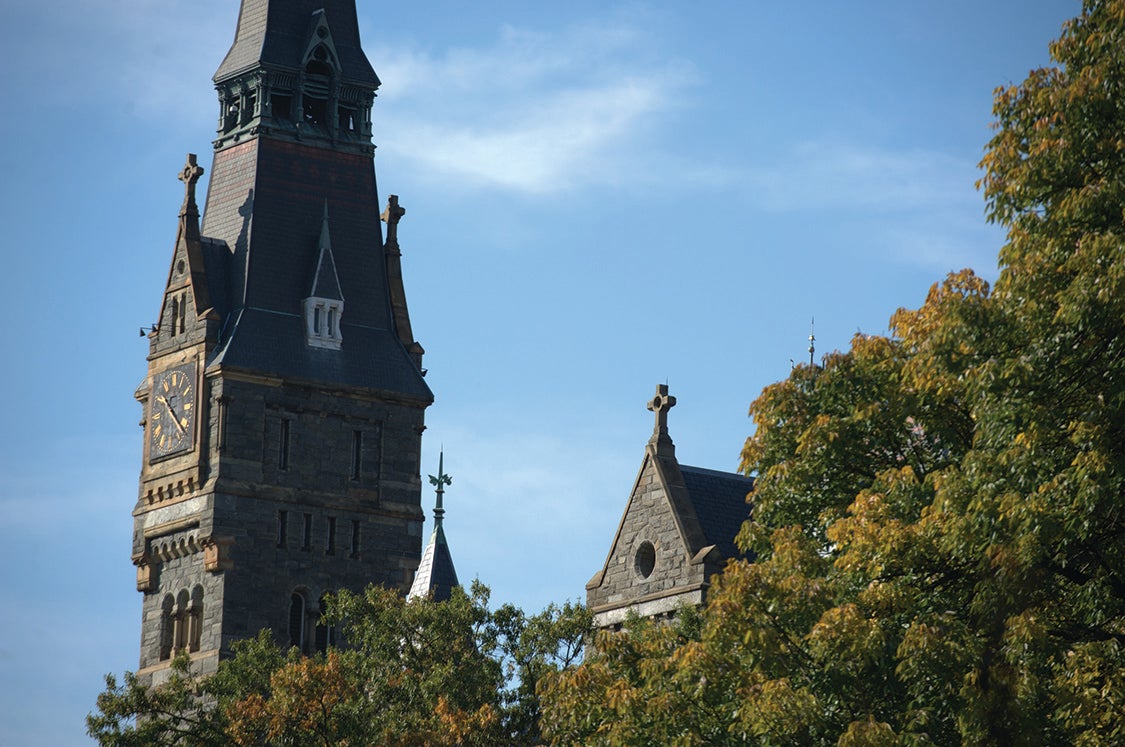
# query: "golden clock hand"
172,412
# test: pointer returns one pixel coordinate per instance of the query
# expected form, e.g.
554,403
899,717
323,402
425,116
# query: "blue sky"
601,196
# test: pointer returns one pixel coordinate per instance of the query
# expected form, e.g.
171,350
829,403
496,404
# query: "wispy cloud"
141,58
534,112
834,174
911,206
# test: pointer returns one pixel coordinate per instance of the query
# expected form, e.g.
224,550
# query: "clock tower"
284,403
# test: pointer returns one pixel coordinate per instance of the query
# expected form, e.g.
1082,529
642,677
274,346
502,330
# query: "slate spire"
436,575
295,94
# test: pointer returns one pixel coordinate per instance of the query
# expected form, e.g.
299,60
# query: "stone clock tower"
284,400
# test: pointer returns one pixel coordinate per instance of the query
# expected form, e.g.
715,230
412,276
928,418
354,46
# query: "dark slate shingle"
719,499
274,33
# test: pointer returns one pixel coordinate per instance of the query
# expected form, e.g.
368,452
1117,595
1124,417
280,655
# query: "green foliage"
132,715
411,673
939,515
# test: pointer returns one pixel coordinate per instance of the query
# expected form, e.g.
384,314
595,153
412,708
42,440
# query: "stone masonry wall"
344,526
649,518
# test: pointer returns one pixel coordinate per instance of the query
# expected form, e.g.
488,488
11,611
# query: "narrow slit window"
357,455
283,445
330,540
221,425
175,309
306,539
282,528
355,538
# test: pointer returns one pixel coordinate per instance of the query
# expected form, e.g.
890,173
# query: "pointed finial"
812,339
189,175
440,482
325,239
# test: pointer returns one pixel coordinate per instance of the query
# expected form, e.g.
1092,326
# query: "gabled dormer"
187,306
324,306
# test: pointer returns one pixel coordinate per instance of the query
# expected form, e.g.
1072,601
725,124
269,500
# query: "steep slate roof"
274,343
435,574
719,499
273,33
267,205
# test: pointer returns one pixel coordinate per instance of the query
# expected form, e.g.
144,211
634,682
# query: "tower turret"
283,429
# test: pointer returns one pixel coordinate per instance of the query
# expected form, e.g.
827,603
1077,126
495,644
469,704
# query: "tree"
939,515
411,673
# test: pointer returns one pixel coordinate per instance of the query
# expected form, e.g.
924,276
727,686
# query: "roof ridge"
716,472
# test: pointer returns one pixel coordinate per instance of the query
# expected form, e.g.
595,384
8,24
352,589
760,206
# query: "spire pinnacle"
812,339
325,240
440,482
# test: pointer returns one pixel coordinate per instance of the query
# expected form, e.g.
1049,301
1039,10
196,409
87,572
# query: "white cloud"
534,112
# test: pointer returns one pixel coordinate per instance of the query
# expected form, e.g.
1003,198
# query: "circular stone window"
645,560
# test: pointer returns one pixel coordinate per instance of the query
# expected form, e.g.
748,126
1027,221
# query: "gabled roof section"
707,507
274,34
326,283
720,503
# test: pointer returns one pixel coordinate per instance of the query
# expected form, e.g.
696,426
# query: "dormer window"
322,328
325,304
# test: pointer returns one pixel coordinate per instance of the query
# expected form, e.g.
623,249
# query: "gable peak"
319,47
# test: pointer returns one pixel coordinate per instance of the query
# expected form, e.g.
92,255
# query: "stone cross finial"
661,404
189,176
391,217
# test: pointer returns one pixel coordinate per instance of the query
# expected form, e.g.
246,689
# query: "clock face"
171,412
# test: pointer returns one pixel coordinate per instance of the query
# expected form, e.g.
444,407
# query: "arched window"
325,634
195,619
318,87
297,621
179,626
175,310
167,621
